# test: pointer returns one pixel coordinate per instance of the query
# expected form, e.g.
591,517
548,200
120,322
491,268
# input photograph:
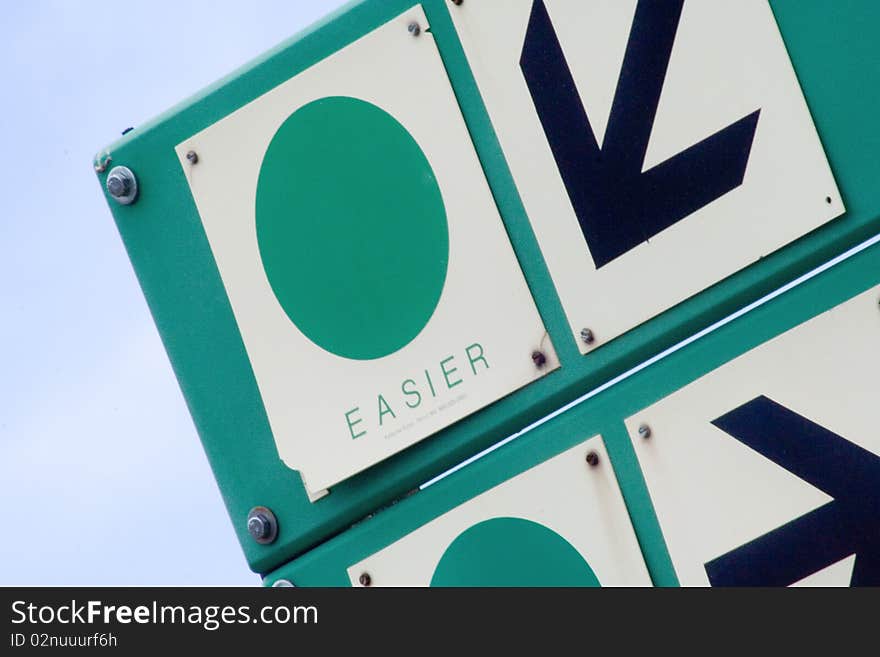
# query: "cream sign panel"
370,274
561,523
766,472
658,147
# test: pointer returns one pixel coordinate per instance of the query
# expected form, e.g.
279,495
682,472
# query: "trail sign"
767,470
235,293
560,523
368,269
658,146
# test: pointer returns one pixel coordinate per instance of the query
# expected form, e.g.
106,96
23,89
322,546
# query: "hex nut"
262,525
122,185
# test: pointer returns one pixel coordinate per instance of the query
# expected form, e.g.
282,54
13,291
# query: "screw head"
192,157
539,359
593,459
118,186
365,579
258,527
587,336
122,185
283,584
414,29
644,431
262,525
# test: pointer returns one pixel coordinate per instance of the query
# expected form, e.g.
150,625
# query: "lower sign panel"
561,523
766,472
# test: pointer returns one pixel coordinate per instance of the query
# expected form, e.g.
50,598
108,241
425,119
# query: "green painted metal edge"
828,42
602,414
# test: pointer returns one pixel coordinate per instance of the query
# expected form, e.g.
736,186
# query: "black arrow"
617,205
850,524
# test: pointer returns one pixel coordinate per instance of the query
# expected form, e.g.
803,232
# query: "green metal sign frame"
602,414
832,46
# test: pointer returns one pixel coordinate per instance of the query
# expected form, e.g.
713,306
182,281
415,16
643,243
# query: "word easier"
448,374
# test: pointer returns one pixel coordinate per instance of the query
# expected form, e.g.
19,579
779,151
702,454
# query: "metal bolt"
259,527
122,185
587,336
539,359
193,157
644,431
283,584
593,459
414,28
118,186
365,579
262,525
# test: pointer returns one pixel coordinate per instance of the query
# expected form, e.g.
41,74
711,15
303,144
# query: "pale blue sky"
102,476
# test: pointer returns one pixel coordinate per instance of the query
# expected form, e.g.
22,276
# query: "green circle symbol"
351,228
512,552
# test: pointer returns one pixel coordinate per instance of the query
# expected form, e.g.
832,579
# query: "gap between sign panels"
654,359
